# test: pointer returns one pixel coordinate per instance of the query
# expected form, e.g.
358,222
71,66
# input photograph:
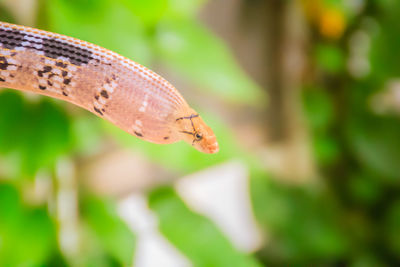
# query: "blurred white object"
152,249
222,194
66,209
387,100
23,10
121,171
358,61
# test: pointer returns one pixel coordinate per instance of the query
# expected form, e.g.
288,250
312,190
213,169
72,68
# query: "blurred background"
304,97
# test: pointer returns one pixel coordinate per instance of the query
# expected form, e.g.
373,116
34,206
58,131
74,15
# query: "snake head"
193,130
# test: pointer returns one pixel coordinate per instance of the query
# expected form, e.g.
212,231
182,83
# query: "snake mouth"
214,148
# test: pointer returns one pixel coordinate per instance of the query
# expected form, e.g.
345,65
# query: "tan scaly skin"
111,86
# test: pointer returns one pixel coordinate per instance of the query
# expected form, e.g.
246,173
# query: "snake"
109,85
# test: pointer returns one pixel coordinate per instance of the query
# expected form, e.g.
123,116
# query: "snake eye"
198,136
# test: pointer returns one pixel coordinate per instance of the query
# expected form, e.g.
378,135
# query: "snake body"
109,85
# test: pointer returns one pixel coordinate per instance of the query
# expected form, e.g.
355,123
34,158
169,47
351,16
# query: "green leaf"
198,238
326,149
115,238
330,58
303,224
375,143
87,134
318,108
27,235
149,11
10,206
365,188
392,222
183,8
192,50
37,132
12,115
46,136
105,23
384,61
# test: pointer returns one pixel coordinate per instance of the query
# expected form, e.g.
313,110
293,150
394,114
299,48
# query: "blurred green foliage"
21,227
350,218
306,224
206,246
110,233
38,132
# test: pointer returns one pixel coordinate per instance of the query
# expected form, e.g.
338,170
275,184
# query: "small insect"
109,85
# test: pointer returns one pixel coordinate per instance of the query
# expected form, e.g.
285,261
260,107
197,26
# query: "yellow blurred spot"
332,23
